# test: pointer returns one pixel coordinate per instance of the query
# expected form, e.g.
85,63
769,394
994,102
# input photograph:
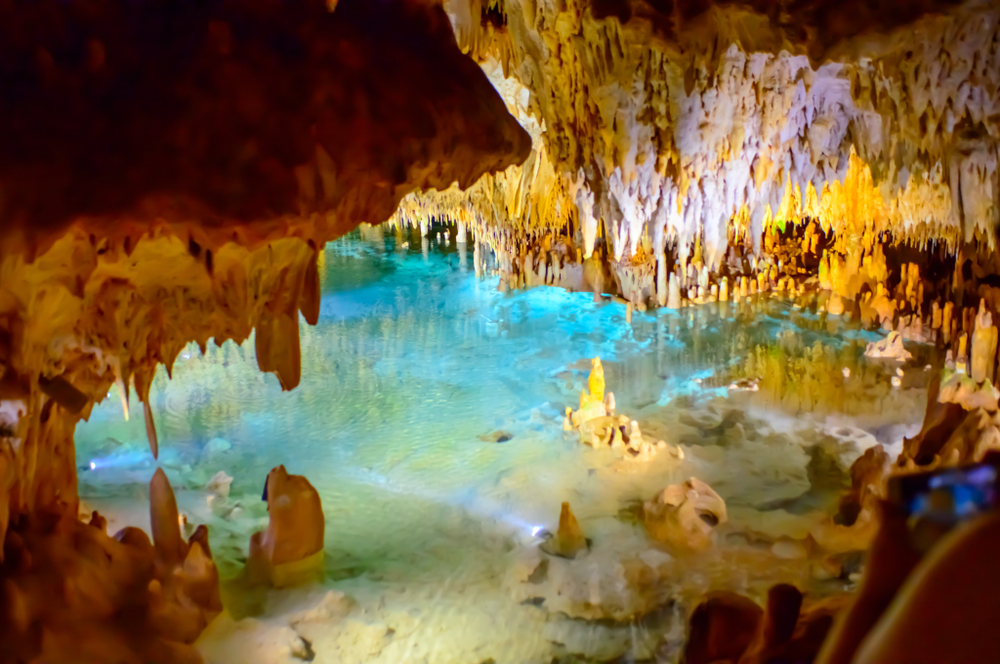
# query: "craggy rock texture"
71,593
169,172
678,142
143,212
679,120
728,627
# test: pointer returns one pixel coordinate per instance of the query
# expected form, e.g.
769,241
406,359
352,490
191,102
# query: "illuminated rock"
890,348
984,345
568,540
963,390
219,485
835,306
683,516
596,380
673,293
290,551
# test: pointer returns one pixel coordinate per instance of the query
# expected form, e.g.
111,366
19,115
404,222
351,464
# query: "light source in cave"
768,221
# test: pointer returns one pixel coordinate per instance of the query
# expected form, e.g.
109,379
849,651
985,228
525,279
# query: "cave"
497,331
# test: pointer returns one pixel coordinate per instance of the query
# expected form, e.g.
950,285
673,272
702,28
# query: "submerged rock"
219,485
216,446
496,437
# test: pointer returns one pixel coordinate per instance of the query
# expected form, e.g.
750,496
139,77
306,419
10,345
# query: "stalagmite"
477,258
595,381
291,549
568,541
983,345
674,296
164,519
962,361
661,279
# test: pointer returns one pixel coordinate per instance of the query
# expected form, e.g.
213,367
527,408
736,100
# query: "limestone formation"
600,428
975,436
683,516
961,389
890,348
728,627
568,541
984,345
170,173
70,593
941,419
290,551
853,526
203,155
596,380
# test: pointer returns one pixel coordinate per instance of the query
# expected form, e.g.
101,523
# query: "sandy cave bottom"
432,530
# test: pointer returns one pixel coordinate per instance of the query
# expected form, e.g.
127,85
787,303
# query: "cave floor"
414,370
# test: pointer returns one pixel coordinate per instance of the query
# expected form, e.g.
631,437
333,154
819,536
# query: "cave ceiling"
688,120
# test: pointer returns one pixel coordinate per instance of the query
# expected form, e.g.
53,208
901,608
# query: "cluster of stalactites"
87,315
528,196
655,143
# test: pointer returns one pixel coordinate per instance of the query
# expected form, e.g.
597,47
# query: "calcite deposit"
599,426
170,173
683,516
568,540
71,593
715,151
290,550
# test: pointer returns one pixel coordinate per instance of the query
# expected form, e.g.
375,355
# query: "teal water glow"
413,360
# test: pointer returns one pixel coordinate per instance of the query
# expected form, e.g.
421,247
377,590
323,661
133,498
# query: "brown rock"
568,540
294,533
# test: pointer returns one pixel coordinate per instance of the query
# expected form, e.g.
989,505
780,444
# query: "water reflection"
414,360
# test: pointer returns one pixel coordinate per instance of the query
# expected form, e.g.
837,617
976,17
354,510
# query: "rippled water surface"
413,365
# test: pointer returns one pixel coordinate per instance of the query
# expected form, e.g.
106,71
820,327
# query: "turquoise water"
413,363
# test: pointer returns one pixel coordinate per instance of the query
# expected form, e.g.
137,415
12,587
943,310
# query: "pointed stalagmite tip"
569,540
